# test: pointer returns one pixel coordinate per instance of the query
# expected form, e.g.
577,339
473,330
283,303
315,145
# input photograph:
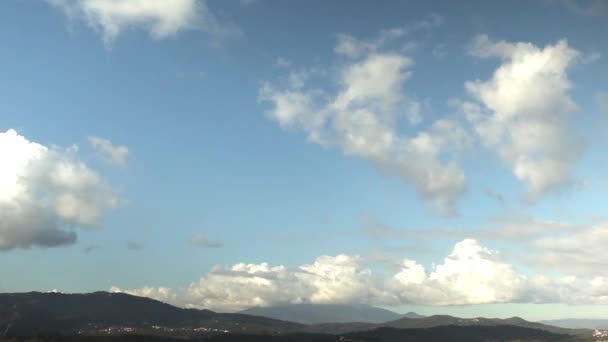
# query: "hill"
119,314
44,313
325,313
441,320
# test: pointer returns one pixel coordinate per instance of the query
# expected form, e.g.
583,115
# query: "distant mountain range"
117,314
441,320
325,313
601,324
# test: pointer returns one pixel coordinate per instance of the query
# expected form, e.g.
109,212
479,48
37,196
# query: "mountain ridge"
103,313
442,320
38,312
328,313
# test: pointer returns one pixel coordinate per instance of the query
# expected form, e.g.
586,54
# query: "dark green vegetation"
121,317
47,313
323,313
437,334
441,320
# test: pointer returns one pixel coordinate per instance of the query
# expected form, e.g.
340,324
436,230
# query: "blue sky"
203,175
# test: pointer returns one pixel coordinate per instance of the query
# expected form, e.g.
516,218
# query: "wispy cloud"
108,151
90,248
521,230
200,240
361,118
593,8
247,3
160,18
134,245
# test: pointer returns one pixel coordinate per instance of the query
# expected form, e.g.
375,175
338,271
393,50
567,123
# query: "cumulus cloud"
524,112
46,194
201,241
160,18
330,279
361,118
470,274
246,285
109,152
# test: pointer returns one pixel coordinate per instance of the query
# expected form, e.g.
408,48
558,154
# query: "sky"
430,156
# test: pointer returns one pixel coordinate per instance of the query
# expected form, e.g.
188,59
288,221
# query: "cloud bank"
470,274
47,193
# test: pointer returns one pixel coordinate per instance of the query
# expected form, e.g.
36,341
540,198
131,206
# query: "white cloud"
201,241
112,154
515,230
470,274
362,118
523,229
160,18
46,194
524,112
342,279
330,279
582,253
246,285
352,47
568,289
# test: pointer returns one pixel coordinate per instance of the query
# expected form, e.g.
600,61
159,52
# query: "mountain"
118,314
601,324
325,313
412,315
441,320
45,313
444,320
